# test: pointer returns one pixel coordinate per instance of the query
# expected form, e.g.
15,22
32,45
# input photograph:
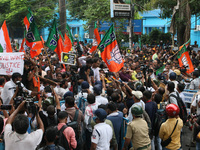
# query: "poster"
11,63
68,58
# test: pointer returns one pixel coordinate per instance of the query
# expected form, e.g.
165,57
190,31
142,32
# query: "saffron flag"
33,39
5,45
67,44
184,60
186,44
22,46
54,41
96,39
110,51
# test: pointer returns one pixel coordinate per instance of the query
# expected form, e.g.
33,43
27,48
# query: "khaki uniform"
138,131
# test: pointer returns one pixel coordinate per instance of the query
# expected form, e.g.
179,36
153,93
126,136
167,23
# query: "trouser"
169,149
88,135
197,145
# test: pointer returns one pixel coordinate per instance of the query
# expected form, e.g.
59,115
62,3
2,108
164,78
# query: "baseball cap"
68,93
137,94
97,89
85,85
101,114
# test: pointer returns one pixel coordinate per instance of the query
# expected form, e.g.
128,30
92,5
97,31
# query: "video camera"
20,88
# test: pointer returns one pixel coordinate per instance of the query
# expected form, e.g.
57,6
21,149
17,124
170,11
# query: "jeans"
156,142
197,145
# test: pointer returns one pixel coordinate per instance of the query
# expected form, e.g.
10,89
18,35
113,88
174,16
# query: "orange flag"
5,45
67,44
184,60
22,46
96,39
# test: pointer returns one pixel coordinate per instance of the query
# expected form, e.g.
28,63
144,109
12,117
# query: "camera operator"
10,87
19,138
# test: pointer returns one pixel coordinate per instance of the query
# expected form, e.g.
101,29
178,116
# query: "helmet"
172,110
137,110
172,76
138,85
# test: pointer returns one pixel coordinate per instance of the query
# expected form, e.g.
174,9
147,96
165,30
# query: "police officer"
137,131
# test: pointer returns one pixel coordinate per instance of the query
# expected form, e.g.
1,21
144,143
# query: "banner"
11,63
67,58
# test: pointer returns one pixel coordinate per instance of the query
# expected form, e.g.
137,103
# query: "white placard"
11,63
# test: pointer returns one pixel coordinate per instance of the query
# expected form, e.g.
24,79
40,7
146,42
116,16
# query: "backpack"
82,103
61,139
74,124
160,117
182,107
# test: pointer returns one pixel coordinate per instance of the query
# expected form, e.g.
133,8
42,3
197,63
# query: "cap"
177,72
101,114
172,76
85,85
137,94
69,93
97,89
136,110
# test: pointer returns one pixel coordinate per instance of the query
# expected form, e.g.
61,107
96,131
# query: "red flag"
184,59
67,44
96,40
110,51
22,46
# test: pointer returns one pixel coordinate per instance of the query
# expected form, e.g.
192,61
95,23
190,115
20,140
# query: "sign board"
67,58
11,63
120,8
138,25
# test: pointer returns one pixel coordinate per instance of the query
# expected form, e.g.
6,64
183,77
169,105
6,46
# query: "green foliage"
155,37
14,11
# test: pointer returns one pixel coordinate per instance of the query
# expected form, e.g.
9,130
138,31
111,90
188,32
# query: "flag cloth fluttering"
184,60
5,45
22,46
69,34
110,51
96,39
160,70
33,39
54,41
67,44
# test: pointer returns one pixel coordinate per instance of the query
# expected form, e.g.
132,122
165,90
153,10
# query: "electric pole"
130,25
62,13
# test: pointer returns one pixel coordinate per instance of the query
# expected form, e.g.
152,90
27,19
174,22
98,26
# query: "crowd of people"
85,107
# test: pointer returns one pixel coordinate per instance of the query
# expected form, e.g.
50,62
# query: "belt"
144,147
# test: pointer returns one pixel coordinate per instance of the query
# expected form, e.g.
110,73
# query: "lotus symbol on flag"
115,55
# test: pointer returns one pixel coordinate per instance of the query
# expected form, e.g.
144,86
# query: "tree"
182,17
14,11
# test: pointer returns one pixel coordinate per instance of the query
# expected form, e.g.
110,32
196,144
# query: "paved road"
187,135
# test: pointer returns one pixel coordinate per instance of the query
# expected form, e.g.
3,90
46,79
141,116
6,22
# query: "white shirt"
89,115
195,103
25,141
96,74
102,135
9,91
102,100
60,91
141,103
173,99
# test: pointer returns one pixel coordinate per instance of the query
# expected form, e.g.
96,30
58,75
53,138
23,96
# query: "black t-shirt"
82,73
47,121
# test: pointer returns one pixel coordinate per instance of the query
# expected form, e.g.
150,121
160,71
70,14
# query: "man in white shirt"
137,96
10,87
102,132
19,138
99,99
95,68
